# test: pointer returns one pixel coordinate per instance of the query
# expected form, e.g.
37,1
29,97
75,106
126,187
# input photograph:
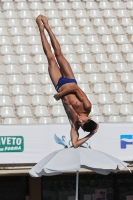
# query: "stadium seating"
96,39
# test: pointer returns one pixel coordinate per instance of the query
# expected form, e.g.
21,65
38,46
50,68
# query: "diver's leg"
53,68
65,68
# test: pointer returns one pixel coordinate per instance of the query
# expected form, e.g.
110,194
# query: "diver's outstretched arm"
76,142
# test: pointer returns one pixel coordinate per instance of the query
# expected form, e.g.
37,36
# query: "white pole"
77,181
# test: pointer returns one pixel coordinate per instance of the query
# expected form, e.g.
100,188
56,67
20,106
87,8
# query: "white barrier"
30,143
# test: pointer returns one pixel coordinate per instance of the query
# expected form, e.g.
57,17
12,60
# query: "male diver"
75,102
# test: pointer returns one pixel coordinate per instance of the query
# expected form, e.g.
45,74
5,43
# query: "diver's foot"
45,21
39,22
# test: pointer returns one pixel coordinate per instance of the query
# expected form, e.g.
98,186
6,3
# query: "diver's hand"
57,96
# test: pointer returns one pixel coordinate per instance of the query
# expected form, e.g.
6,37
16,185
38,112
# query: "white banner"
114,139
30,143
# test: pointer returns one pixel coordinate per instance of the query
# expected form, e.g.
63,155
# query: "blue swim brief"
63,81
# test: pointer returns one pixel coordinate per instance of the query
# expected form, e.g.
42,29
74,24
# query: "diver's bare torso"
71,103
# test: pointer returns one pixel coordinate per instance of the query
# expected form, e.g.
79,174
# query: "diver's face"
82,120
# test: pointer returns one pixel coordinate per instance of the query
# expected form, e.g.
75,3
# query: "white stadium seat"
15,79
18,90
21,100
10,121
13,22
108,13
67,14
8,6
12,69
40,59
104,5
62,5
129,118
3,80
116,88
106,67
34,89
49,6
90,68
9,59
5,101
24,111
77,5
91,98
36,13
4,40
95,110
23,14
85,88
6,49
98,119
122,67
88,30
81,14
95,78
27,120
111,78
49,89
126,77
16,31
90,5
42,69
33,39
92,39
109,110
22,5
28,22
3,31
107,39
41,111
45,120
78,39
84,22
80,78
71,58
36,6
86,58
121,98
28,69
38,100
82,49
129,5
7,112
104,99
129,87
115,119
126,109
99,88
21,49
30,31
45,79
31,79
11,14
112,22
57,22
19,40
58,111
37,49
98,22
62,120
23,59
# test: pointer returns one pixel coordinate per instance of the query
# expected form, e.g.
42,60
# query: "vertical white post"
77,182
